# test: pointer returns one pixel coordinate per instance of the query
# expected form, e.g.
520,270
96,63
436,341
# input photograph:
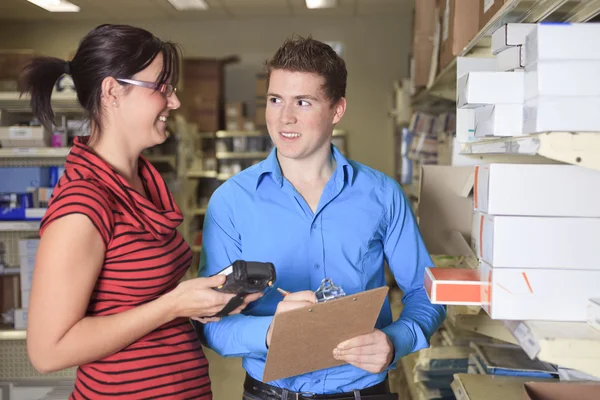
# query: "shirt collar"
344,172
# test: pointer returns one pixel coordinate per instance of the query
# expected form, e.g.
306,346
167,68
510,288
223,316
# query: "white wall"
376,51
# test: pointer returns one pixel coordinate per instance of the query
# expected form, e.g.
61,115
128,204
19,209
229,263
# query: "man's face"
300,117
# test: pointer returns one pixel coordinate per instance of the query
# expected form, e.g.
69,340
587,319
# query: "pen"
283,292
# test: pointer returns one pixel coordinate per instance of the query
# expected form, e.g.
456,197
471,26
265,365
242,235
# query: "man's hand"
373,352
291,302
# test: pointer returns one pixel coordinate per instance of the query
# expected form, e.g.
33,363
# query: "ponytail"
38,79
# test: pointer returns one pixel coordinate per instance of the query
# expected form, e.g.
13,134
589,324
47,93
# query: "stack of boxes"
543,78
236,118
261,100
11,65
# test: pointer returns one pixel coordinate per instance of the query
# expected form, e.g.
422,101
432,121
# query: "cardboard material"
488,9
480,88
539,242
499,120
261,86
562,78
423,41
460,24
455,286
561,114
509,35
445,207
537,190
564,42
511,59
593,313
465,125
295,351
537,294
561,391
465,65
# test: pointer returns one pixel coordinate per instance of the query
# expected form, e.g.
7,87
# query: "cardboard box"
563,42
538,242
235,109
464,65
510,35
12,63
511,59
488,8
562,78
208,116
499,120
465,125
27,254
460,24
10,293
426,12
24,136
260,116
479,88
537,190
560,114
455,286
261,86
561,390
537,294
20,319
445,209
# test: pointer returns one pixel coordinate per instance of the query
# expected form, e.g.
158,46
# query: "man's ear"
339,110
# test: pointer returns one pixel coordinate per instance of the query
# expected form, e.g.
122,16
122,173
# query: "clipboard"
303,340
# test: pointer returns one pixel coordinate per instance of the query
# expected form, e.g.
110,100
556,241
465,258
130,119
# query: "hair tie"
67,68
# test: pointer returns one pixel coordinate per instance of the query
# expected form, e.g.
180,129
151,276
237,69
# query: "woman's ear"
112,92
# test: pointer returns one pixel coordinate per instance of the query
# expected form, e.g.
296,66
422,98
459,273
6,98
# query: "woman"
106,294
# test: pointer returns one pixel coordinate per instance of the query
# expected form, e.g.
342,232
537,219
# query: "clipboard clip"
328,291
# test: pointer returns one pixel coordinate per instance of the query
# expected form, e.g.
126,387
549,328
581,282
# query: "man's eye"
274,100
303,103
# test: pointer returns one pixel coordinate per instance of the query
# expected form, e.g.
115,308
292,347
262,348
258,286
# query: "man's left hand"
373,352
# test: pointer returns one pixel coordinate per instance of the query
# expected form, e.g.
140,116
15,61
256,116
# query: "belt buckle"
308,395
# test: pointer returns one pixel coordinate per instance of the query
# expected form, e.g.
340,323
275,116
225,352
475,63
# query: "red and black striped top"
145,258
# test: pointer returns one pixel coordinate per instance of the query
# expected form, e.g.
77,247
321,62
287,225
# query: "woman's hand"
196,299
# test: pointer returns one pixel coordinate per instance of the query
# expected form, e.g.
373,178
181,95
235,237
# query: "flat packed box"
561,390
547,190
510,59
510,35
539,242
565,42
456,286
499,120
479,88
460,24
488,9
426,21
593,313
562,78
561,114
537,294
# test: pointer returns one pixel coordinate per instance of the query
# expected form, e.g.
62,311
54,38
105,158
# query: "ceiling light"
55,5
321,3
189,4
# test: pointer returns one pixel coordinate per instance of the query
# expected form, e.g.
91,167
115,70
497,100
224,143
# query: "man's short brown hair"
300,54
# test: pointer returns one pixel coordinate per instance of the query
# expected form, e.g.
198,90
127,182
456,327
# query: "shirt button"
314,226
318,381
317,266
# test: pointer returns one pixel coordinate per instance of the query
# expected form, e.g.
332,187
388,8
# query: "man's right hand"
291,302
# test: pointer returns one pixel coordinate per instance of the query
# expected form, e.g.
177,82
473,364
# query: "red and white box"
453,286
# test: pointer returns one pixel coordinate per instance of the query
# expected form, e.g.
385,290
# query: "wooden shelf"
201,174
61,102
34,152
242,155
231,134
12,334
19,226
579,148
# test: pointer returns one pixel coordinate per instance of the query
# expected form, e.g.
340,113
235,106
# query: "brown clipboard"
303,340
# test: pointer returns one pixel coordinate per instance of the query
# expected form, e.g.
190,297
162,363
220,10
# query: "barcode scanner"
244,278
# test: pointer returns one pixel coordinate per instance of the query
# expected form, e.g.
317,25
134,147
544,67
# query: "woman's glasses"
167,89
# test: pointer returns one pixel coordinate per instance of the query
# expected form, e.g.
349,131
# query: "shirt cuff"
403,339
254,335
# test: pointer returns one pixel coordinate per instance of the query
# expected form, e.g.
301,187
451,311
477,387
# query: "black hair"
119,51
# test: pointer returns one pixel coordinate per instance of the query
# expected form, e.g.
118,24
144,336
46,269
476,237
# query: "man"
315,214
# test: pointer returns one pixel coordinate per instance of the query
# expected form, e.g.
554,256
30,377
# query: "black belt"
268,392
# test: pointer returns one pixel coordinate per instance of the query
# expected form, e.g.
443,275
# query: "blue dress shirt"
362,219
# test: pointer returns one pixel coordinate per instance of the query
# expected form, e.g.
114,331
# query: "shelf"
441,91
10,271
574,345
198,211
12,334
202,174
163,159
339,133
230,134
34,152
224,177
242,155
61,102
579,148
19,226
478,321
196,248
488,387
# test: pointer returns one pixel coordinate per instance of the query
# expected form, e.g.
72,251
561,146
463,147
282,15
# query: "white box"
510,35
465,125
537,190
537,294
510,59
593,313
539,242
25,298
499,120
572,114
20,319
547,42
27,253
476,225
464,65
562,78
479,88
